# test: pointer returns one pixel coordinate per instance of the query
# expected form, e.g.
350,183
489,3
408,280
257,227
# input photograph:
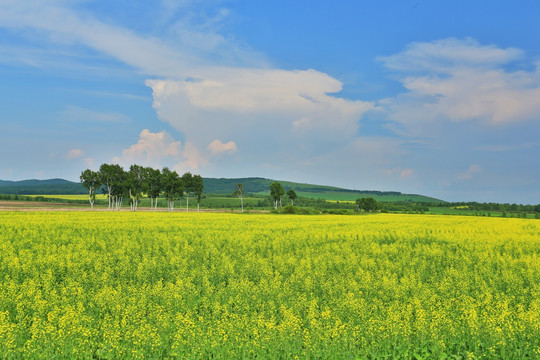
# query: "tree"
366,204
276,192
119,186
239,191
152,186
136,179
113,178
90,180
187,183
172,187
197,185
292,196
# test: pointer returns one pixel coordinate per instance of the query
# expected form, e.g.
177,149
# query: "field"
83,197
187,285
352,196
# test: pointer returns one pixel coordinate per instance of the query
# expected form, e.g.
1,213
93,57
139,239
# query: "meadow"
200,285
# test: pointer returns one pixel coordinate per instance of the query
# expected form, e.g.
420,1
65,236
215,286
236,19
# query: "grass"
352,196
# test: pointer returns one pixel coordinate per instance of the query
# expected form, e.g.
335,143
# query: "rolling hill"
222,186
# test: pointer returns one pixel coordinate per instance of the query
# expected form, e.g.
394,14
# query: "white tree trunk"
187,203
242,203
110,197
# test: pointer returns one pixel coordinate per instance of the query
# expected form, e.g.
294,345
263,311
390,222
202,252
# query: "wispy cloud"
228,88
75,113
461,80
505,148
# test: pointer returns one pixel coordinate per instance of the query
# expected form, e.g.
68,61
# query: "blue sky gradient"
440,98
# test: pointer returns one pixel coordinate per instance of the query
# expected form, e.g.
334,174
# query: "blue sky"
440,98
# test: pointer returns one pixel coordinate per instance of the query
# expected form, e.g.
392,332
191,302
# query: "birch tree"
107,175
153,186
292,195
276,192
197,186
91,181
119,186
135,185
187,182
172,187
239,191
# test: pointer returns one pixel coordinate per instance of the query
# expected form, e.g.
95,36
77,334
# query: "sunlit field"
72,197
192,285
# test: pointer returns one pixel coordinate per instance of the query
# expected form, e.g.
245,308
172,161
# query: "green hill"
261,186
221,186
41,187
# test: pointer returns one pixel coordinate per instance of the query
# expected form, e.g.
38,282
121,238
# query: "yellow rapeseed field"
197,286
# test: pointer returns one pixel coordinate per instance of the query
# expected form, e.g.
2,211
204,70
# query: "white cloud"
161,149
241,96
151,149
446,54
510,147
217,147
194,159
74,154
232,103
460,80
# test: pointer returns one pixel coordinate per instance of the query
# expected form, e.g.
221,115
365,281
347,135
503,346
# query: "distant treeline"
16,197
45,189
495,206
476,206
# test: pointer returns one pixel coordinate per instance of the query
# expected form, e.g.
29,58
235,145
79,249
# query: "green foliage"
289,209
276,192
291,194
239,190
367,204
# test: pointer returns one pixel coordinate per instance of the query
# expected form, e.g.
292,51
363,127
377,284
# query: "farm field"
108,285
82,197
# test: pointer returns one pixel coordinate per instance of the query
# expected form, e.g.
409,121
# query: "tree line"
276,193
119,184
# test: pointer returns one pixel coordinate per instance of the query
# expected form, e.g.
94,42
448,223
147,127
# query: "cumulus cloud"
194,159
232,103
217,147
161,149
204,80
74,154
461,80
151,149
